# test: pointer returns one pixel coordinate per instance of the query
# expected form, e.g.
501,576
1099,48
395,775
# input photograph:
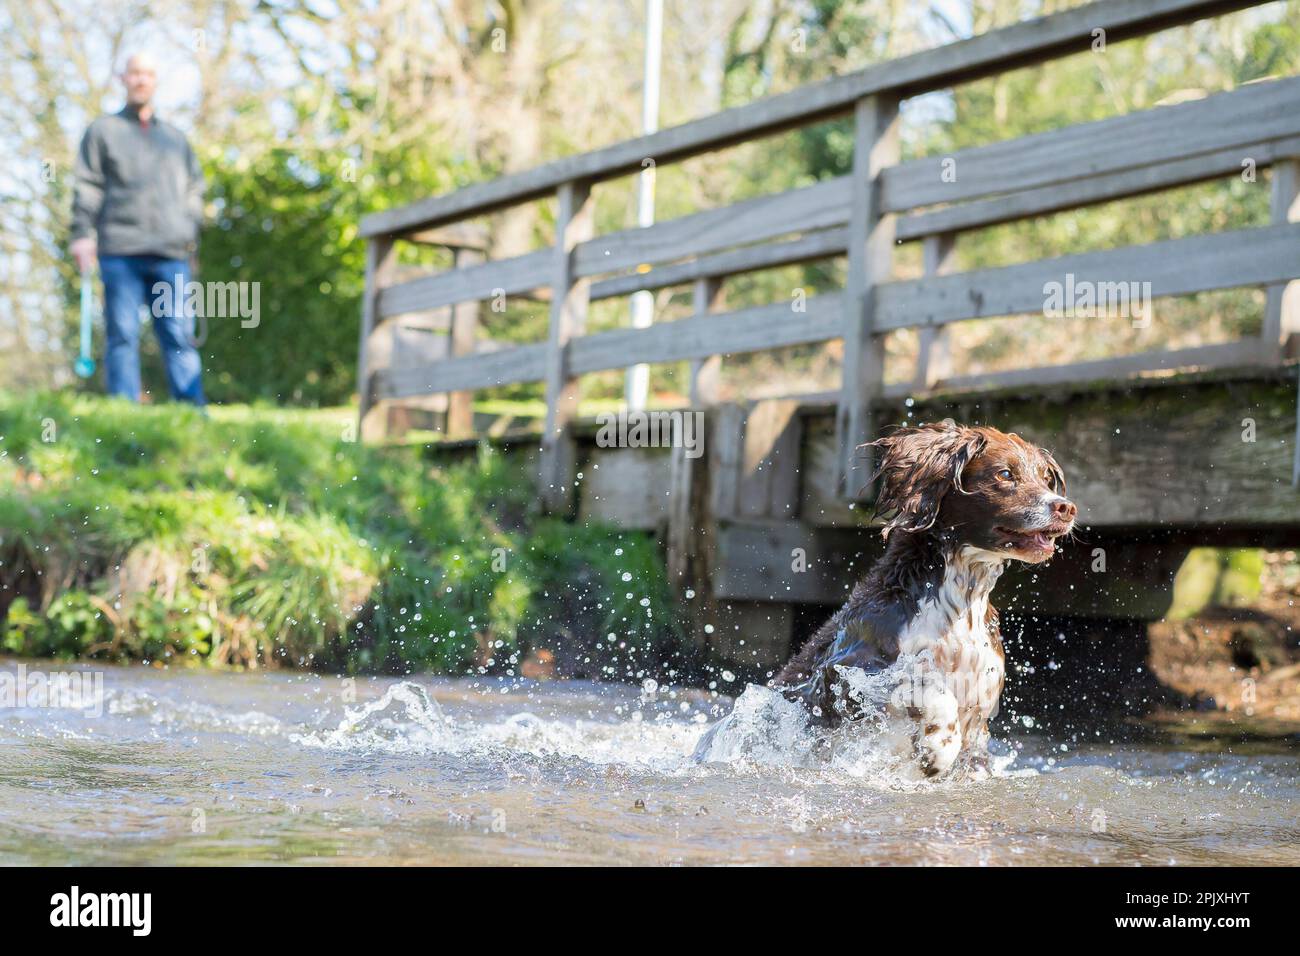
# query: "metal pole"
637,382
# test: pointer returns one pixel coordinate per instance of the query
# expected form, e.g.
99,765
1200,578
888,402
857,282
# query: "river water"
199,767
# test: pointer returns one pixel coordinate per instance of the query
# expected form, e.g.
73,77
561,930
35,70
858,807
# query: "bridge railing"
862,216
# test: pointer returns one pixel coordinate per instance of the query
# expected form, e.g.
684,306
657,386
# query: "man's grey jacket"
139,187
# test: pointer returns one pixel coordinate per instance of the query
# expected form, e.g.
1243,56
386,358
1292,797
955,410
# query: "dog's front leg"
975,751
924,700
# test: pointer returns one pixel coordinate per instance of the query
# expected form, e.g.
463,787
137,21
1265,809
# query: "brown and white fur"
960,502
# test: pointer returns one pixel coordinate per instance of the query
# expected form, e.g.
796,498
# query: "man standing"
139,192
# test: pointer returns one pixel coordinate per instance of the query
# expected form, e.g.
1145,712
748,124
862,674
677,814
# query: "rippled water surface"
198,768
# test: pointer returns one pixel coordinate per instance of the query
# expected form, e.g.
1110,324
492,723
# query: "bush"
263,537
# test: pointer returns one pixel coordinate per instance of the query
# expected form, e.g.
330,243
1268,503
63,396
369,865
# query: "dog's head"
979,486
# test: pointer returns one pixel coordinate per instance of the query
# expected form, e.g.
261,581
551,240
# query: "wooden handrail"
1200,263
862,216
1254,113
1248,257
1164,147
1022,44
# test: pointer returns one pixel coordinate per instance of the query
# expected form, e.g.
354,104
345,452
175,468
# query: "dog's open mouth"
1040,541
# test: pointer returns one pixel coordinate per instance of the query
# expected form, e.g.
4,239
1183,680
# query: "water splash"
588,773
405,720
766,729
763,728
168,714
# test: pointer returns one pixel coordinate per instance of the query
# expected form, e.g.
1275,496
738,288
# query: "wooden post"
1280,332
1295,440
681,475
769,459
1282,308
381,258
725,457
464,328
870,249
686,505
934,352
706,373
569,296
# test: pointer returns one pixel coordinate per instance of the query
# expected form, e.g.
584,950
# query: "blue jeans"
129,283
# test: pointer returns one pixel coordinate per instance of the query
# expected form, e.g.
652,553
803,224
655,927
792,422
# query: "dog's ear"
918,466
1058,475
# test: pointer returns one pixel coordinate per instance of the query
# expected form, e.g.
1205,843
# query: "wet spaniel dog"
959,502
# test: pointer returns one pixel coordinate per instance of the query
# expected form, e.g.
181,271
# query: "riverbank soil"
1239,660
1232,670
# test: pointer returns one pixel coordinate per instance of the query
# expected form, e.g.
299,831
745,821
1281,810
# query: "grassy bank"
263,537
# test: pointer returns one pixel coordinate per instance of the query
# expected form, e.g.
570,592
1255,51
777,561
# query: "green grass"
1216,577
265,536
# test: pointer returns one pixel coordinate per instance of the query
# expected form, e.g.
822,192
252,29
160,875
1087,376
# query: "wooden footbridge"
1164,449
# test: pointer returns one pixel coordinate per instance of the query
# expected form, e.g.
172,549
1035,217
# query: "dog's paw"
937,746
930,706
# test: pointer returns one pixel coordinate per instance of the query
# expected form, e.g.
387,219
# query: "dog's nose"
1064,509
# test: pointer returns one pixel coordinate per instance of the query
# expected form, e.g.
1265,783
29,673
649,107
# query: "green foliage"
69,626
292,229
1216,577
287,217
79,623
262,536
292,171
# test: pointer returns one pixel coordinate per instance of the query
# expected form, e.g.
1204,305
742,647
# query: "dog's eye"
1004,474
